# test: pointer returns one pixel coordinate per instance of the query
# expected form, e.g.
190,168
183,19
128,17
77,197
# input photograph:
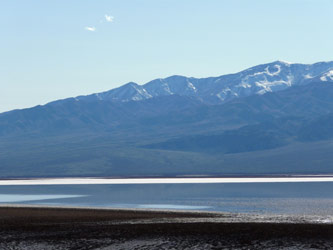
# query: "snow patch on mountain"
327,76
191,86
166,88
225,93
259,79
273,73
98,96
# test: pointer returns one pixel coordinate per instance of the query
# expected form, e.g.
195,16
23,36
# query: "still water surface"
278,198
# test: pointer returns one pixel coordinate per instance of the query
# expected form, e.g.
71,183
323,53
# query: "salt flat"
85,181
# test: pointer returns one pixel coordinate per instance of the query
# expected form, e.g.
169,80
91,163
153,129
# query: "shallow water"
9,198
278,198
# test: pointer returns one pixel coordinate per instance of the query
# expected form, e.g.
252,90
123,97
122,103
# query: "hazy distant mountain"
247,122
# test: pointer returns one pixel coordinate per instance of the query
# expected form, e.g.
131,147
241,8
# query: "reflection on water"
9,198
279,198
169,206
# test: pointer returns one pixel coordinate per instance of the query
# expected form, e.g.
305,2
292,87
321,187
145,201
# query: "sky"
56,49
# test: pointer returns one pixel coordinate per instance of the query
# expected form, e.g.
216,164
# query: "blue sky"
47,53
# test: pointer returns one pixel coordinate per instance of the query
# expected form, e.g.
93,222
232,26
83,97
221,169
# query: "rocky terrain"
73,228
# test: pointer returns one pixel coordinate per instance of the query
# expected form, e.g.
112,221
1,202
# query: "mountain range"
260,79
258,121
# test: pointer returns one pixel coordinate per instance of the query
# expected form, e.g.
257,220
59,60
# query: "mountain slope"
173,113
272,114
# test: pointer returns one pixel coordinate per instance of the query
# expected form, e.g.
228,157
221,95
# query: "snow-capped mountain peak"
259,79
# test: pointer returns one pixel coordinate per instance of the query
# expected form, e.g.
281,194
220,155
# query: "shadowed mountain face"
238,123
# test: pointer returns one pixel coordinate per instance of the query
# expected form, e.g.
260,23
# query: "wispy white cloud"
109,18
90,28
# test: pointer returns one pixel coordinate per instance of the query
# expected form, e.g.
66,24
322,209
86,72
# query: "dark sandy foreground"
74,228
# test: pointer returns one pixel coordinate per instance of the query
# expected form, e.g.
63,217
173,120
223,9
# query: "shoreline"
53,227
208,216
161,180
